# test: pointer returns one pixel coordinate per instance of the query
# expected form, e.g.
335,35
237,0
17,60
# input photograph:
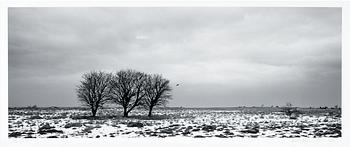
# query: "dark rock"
52,137
166,131
199,136
87,129
293,116
186,133
98,136
153,134
221,136
254,136
239,135
336,135
50,131
174,125
253,131
15,134
135,124
69,125
35,117
196,129
296,132
209,128
305,129
227,132
45,127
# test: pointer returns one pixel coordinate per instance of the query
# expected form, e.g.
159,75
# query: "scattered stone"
220,129
35,117
135,124
166,131
50,131
296,132
221,136
69,125
254,136
253,131
186,132
293,116
88,129
15,134
196,129
209,128
153,134
240,135
174,125
46,128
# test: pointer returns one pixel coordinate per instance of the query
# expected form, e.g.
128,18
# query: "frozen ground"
174,122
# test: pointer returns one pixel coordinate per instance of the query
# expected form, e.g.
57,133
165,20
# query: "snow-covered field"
174,122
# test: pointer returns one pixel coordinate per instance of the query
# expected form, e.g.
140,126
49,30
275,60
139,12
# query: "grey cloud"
221,56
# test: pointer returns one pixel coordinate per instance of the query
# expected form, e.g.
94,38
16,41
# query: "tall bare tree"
157,92
93,90
127,89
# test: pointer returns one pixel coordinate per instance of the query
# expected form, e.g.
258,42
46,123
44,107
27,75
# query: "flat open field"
174,122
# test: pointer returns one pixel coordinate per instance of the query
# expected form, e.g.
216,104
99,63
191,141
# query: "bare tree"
290,110
127,89
93,90
157,92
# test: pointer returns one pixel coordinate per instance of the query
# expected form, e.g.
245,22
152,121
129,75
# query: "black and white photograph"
174,72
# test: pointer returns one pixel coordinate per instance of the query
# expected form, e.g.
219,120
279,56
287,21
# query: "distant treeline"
172,108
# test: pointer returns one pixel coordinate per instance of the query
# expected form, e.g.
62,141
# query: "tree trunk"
150,111
125,112
93,112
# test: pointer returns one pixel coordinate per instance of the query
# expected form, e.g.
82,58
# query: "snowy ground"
180,122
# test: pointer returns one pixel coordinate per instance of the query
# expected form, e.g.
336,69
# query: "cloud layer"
219,56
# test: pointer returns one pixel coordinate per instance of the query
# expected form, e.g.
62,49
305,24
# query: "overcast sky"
219,56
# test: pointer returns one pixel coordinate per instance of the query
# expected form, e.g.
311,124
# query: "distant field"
225,122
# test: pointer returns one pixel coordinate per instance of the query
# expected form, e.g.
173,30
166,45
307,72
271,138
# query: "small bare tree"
93,90
127,89
157,92
288,108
